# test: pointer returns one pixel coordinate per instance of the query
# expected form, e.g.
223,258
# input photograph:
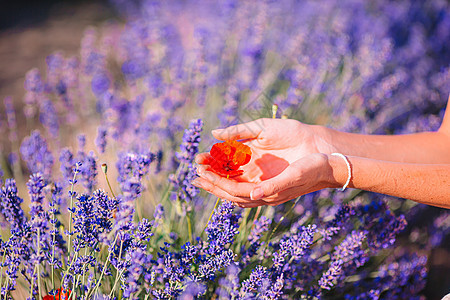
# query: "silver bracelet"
349,169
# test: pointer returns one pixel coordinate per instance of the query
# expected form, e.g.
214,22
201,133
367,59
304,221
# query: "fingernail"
215,131
257,193
196,183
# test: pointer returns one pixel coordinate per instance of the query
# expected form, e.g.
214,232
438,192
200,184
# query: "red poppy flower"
59,295
228,157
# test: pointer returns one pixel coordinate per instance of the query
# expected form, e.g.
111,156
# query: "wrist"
322,139
337,173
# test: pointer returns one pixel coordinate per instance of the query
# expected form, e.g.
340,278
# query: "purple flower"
191,140
39,217
133,69
249,287
229,285
88,170
381,224
10,206
33,81
189,192
329,278
100,84
11,118
159,213
292,248
138,263
67,162
85,227
38,157
350,249
341,217
104,209
222,228
100,141
49,117
143,232
276,290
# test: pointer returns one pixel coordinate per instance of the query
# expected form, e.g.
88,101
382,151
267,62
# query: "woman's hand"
285,163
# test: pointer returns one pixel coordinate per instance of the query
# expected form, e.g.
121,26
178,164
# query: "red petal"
228,157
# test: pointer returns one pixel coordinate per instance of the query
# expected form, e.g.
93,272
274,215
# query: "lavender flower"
159,213
229,285
191,140
249,287
138,267
35,152
100,141
341,217
11,118
88,170
67,161
33,81
276,291
49,117
329,278
104,209
85,227
10,206
382,225
222,228
39,217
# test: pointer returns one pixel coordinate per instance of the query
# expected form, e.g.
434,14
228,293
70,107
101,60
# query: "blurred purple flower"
35,153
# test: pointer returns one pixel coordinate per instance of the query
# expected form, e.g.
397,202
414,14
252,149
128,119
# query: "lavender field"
97,154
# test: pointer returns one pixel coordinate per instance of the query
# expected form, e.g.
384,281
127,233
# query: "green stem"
38,264
71,207
32,283
74,289
109,185
53,250
84,273
188,219
242,227
210,216
103,271
68,268
1,270
276,227
115,283
118,274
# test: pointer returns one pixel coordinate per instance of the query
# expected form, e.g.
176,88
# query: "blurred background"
32,30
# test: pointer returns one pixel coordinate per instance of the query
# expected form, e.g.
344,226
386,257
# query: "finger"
255,203
286,179
210,188
201,169
232,187
203,158
248,130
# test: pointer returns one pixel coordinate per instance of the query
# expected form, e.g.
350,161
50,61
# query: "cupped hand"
285,163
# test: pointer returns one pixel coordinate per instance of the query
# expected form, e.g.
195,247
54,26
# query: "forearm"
425,148
424,183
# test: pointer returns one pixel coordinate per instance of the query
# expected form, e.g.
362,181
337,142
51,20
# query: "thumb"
286,179
243,131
